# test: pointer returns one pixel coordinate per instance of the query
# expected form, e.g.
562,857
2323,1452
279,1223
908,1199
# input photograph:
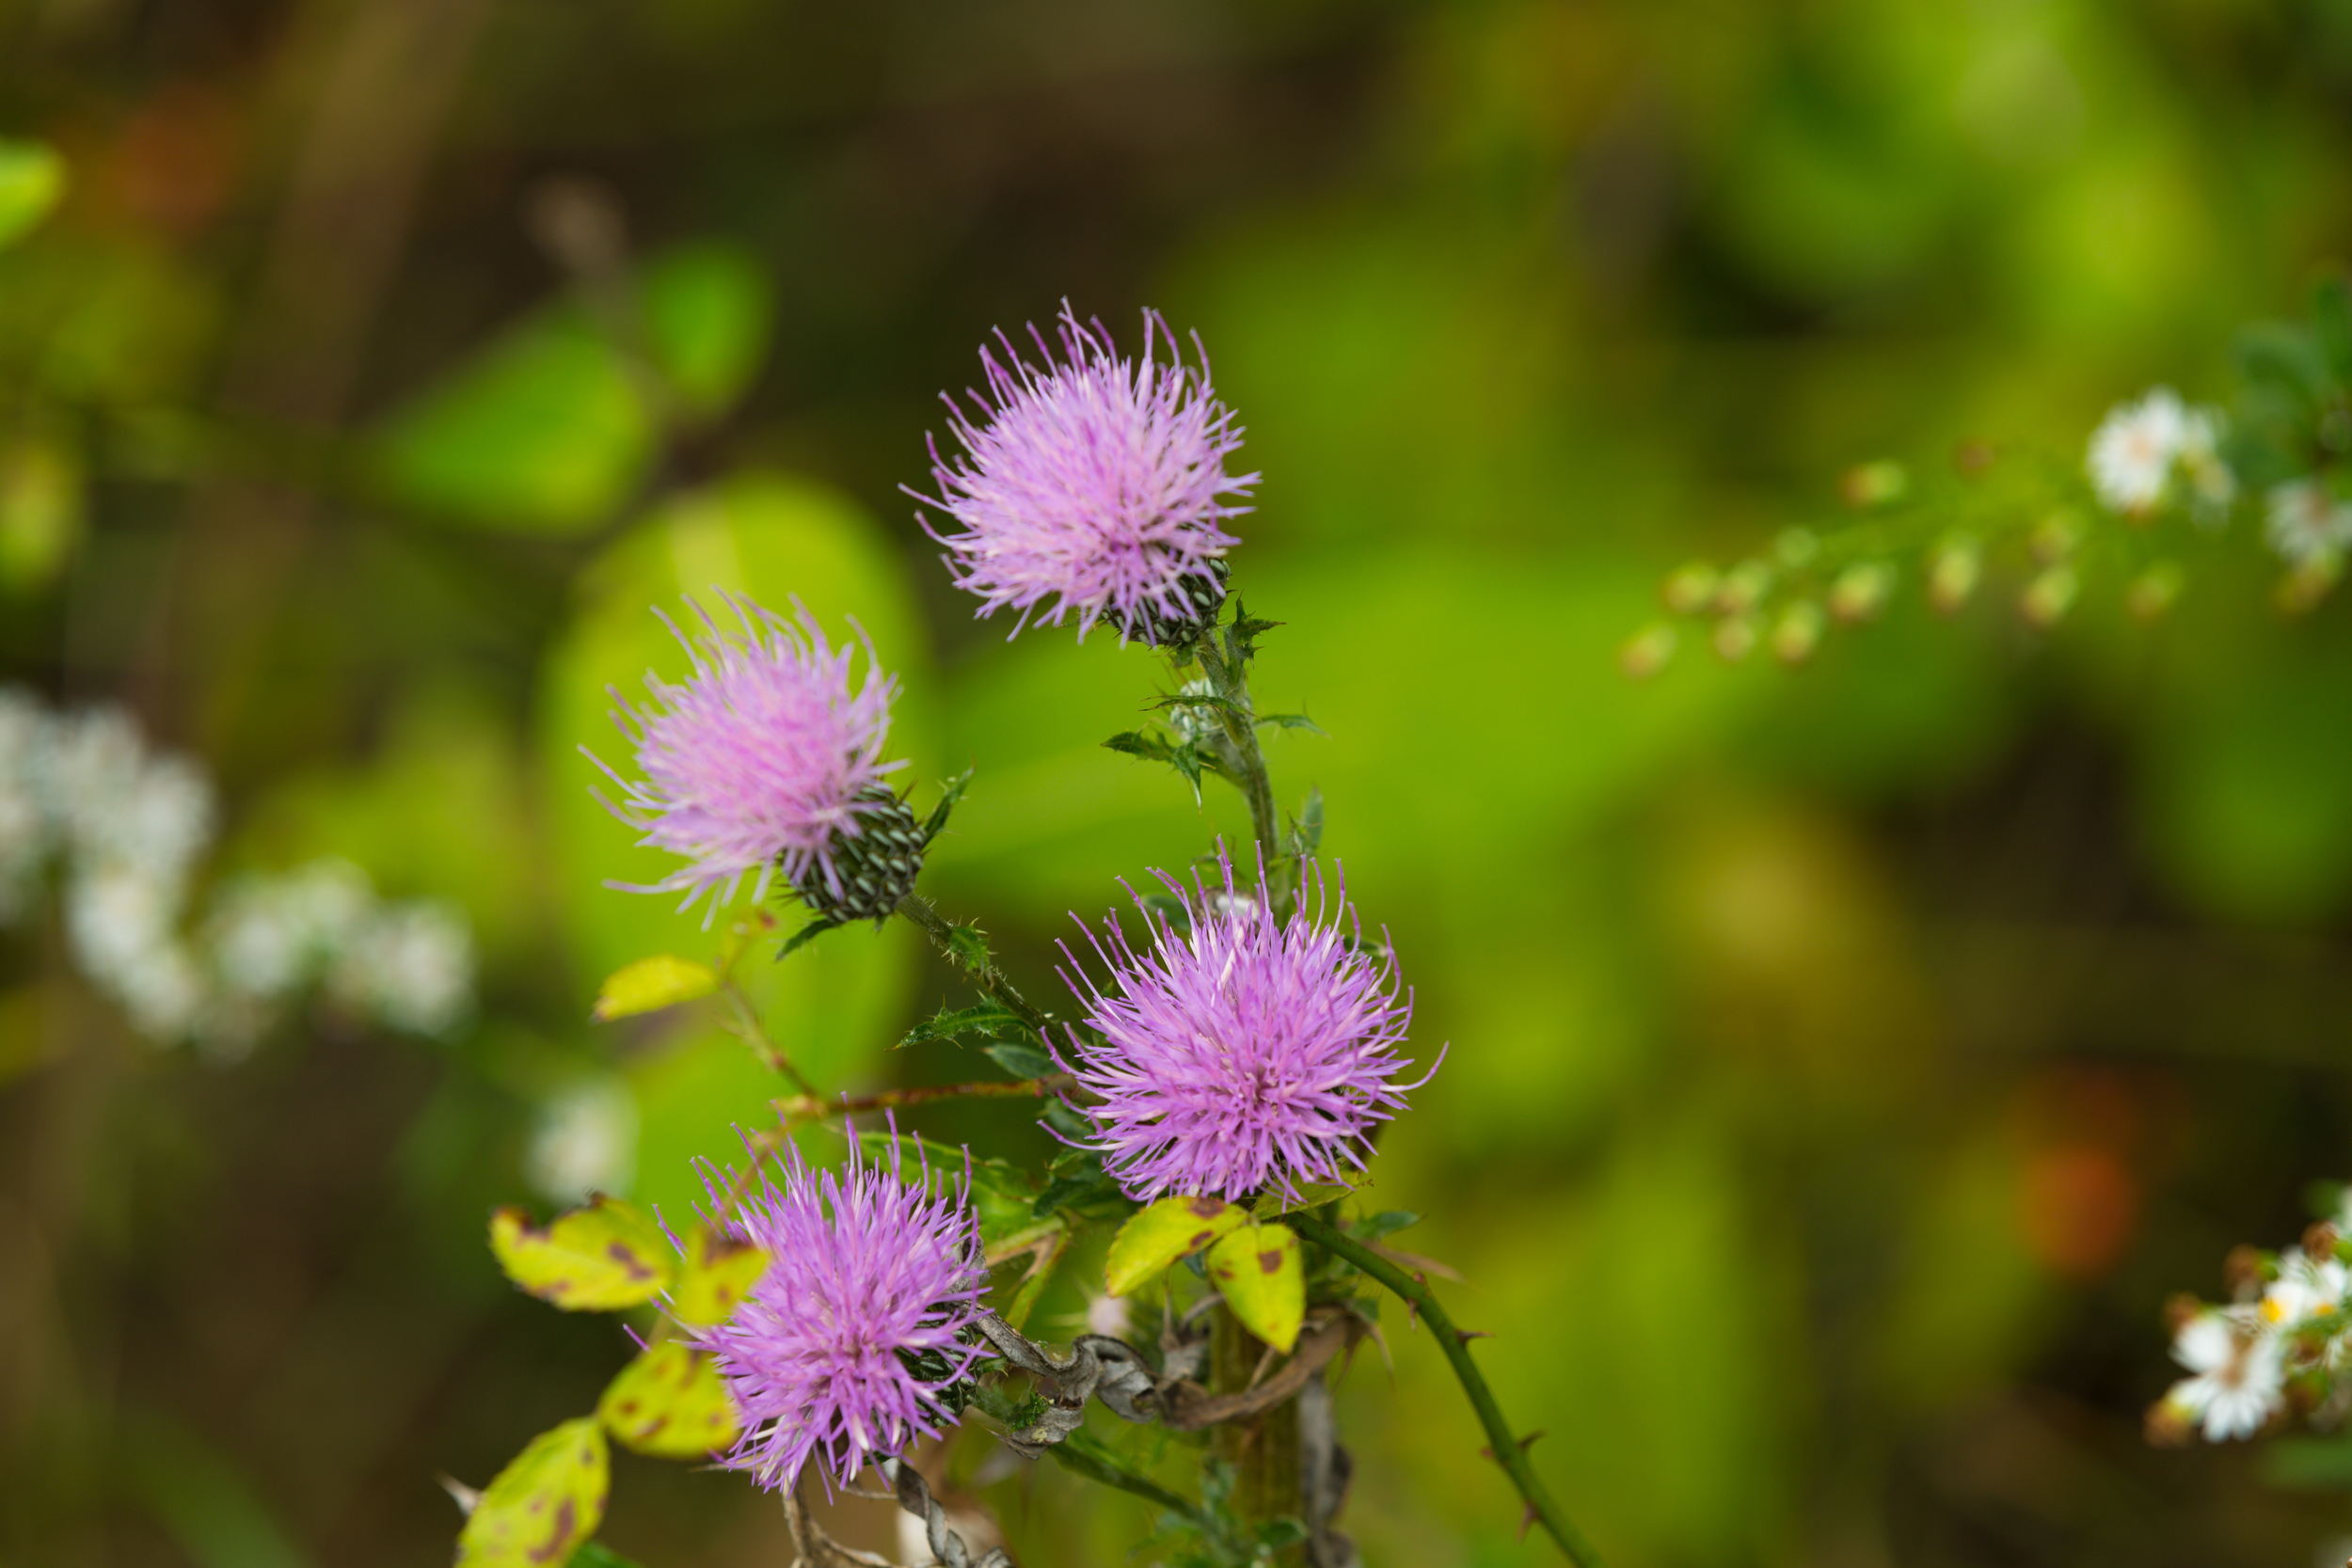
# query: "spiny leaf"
652,984
669,1402
1202,699
1387,1223
718,1273
1241,638
544,1504
1290,721
988,1020
950,793
1311,1195
1161,1233
602,1256
1257,1270
1020,1059
802,936
1141,743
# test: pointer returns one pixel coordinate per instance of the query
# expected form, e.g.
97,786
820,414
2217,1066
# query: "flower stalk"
1508,1452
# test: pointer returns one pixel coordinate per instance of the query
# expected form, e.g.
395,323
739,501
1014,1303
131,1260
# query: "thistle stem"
985,976
751,1032
1505,1448
808,1108
1237,745
1082,1453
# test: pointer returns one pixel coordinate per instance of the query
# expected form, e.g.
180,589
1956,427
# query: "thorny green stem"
1505,1448
918,910
1082,1453
1237,745
748,1028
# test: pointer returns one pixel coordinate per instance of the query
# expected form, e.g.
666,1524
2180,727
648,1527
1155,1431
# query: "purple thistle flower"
1092,481
1247,1053
866,1271
764,758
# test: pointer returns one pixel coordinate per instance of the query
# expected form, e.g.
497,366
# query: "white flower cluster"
125,828
2146,451
2288,1335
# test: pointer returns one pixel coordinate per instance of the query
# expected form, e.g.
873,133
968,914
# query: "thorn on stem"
1527,1519
1467,1334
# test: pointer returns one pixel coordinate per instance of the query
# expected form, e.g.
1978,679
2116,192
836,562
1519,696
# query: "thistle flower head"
1243,1052
838,1353
765,758
1092,481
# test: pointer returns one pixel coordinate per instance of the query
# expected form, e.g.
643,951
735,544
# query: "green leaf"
1241,638
1257,1270
1020,1059
2283,361
1311,823
652,984
670,1403
1290,721
604,1255
32,179
1003,1194
950,793
1080,1189
1140,743
596,1554
806,935
544,1504
1387,1223
1311,1195
543,432
989,1020
716,1276
1161,1233
1069,1123
709,311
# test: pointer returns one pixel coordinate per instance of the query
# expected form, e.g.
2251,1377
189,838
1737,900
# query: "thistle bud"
1874,485
1797,633
1647,651
1735,637
1691,587
1861,590
2154,592
2049,596
1741,587
1952,574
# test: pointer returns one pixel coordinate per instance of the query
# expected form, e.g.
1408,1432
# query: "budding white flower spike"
2133,451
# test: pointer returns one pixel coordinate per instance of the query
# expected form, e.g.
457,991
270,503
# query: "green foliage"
1020,1059
608,1253
547,1501
32,180
984,1020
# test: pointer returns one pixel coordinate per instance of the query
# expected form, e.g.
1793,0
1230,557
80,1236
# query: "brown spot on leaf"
1270,1262
1201,1239
621,1253
1208,1208
559,1542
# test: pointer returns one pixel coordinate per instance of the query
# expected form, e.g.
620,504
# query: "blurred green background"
1845,1064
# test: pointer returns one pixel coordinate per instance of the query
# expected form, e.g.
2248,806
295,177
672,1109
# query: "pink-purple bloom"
1092,481
1245,1052
868,1273
764,759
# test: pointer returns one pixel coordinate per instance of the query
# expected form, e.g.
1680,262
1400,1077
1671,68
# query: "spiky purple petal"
759,761
1244,1053
1092,481
866,1270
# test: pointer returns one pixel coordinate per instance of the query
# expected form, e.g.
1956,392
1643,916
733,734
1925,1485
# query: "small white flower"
585,1141
2240,1373
1109,1315
411,969
2307,524
2133,451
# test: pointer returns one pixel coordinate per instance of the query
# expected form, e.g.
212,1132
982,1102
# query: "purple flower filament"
1246,1052
867,1272
762,761
1092,481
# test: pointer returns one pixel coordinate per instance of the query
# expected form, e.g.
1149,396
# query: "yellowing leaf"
652,984
544,1504
718,1273
1258,1270
1158,1235
671,1403
595,1258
